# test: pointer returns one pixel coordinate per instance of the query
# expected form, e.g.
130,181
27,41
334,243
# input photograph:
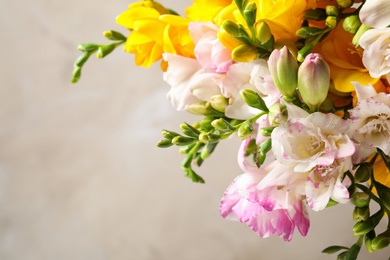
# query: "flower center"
376,124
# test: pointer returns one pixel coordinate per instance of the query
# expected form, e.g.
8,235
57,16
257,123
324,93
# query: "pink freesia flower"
268,211
370,126
209,51
189,81
315,149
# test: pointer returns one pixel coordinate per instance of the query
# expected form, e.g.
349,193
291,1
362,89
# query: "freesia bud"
332,10
363,227
209,138
245,130
361,214
344,3
380,242
253,99
360,199
219,103
363,173
244,53
331,22
284,67
368,241
277,114
351,24
313,80
362,29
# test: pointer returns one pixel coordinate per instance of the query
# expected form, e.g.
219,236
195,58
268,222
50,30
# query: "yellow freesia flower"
345,60
284,18
205,10
154,32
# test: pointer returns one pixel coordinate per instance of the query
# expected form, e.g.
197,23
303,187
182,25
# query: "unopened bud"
200,108
263,32
363,227
87,47
332,10
361,214
245,130
265,146
253,99
114,35
313,80
362,29
277,114
250,13
104,50
308,32
368,241
189,130
209,138
344,3
360,199
222,125
244,53
351,24
284,68
266,131
302,53
219,103
165,143
331,22
363,173
169,134
182,140
380,242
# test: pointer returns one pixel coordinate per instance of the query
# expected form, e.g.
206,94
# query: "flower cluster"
303,83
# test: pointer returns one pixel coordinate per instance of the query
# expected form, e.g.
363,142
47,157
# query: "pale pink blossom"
189,81
269,211
376,55
375,13
248,75
209,51
370,126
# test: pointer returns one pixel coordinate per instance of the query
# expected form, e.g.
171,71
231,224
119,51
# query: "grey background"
80,176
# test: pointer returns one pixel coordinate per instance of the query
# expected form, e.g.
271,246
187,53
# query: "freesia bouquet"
303,83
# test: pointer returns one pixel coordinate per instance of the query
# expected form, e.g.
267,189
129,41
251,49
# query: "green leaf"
334,249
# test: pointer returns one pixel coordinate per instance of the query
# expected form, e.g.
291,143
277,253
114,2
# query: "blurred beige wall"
80,176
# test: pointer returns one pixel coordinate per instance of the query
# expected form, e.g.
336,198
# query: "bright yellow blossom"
205,10
154,32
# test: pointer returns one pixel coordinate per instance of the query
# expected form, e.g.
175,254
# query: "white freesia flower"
376,55
370,122
375,13
189,81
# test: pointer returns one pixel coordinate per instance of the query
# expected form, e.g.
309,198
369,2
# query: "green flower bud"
201,108
219,102
209,138
380,242
313,80
114,35
263,32
277,114
265,146
332,10
368,241
306,50
76,74
244,53
344,3
222,125
253,99
250,13
104,50
169,134
87,47
245,130
182,140
363,227
360,199
361,213
165,143
351,24
331,22
189,130
363,173
284,67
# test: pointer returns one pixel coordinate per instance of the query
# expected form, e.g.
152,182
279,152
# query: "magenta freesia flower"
268,211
